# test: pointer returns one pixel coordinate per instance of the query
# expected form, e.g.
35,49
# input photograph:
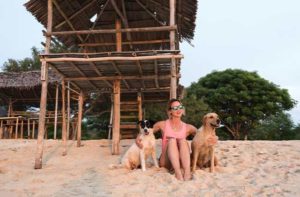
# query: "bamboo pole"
63,111
28,128
139,100
16,129
113,31
116,119
110,121
55,118
117,78
79,119
173,83
22,128
111,58
118,35
125,43
43,103
33,129
68,111
1,129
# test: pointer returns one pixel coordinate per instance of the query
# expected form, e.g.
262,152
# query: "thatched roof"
24,88
136,13
25,80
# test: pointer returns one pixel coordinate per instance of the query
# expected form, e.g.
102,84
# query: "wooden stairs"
128,119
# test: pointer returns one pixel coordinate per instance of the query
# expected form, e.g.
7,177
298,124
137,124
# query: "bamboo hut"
21,91
127,49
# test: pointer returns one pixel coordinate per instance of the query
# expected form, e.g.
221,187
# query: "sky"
253,35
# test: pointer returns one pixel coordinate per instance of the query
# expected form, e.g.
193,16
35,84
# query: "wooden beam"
173,82
116,119
66,18
156,74
123,17
118,35
55,114
97,19
131,77
138,63
43,103
126,43
113,31
76,13
68,109
102,59
119,73
63,111
82,74
79,119
99,73
140,109
150,13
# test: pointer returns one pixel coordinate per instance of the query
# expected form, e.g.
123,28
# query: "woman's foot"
178,175
187,176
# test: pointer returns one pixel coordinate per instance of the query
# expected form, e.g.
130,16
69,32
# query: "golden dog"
202,151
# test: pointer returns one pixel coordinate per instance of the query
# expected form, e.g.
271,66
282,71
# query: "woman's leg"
173,155
185,158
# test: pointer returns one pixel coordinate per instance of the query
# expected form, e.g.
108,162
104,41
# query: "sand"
247,168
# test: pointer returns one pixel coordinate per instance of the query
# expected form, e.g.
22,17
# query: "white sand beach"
247,168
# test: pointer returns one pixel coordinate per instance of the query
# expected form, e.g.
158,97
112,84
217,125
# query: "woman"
175,149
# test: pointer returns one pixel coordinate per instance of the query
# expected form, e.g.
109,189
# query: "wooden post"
1,129
43,103
140,110
63,111
110,120
118,34
33,129
55,115
68,111
28,128
22,128
16,129
116,119
79,119
173,83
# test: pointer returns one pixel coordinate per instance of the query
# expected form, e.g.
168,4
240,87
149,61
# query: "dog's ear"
151,123
204,119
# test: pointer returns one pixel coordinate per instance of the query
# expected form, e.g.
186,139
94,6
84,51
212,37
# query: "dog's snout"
218,121
145,130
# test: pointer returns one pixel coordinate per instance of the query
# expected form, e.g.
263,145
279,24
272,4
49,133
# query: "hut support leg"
173,83
116,119
80,106
42,117
64,125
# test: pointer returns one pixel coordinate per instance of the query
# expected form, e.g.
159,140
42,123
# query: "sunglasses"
175,108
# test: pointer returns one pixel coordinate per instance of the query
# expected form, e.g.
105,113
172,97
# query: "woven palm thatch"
25,80
135,13
24,88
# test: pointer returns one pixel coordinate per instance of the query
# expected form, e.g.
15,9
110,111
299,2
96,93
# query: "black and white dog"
134,156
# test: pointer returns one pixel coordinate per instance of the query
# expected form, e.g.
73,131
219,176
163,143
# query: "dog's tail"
115,166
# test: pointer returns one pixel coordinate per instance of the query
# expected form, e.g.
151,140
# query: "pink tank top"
169,133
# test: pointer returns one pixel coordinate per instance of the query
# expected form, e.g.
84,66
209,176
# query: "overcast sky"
254,35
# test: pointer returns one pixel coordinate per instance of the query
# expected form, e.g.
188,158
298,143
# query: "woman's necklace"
176,127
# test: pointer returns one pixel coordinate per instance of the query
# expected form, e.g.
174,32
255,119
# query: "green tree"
275,127
241,98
